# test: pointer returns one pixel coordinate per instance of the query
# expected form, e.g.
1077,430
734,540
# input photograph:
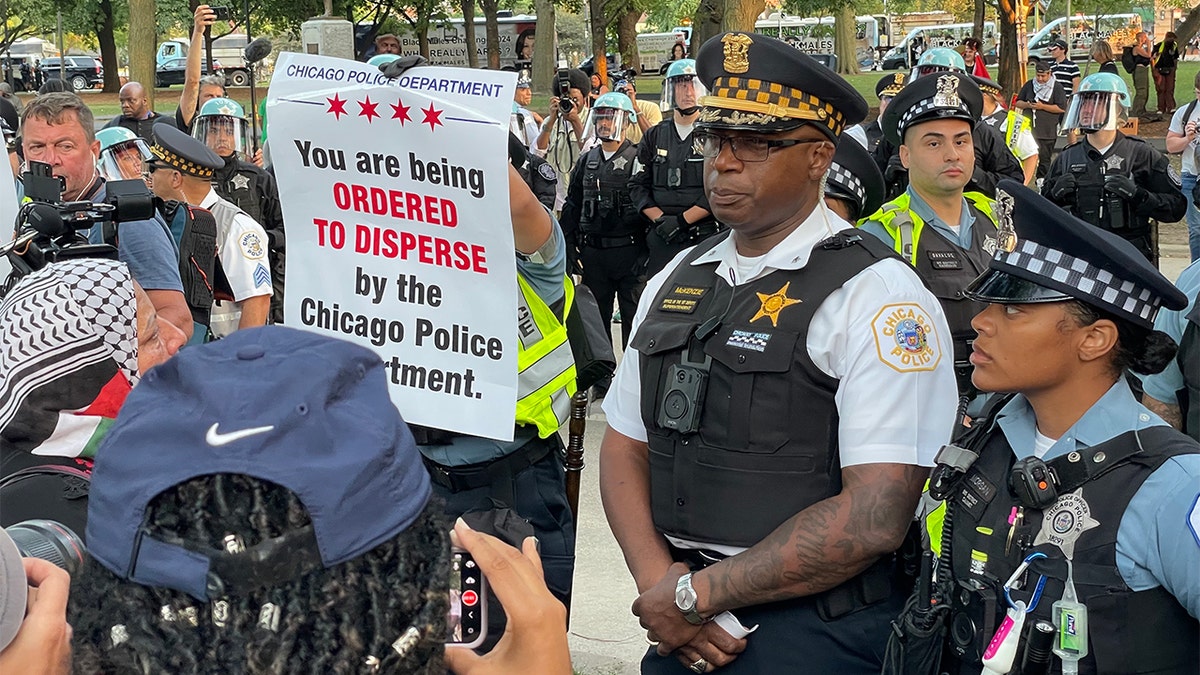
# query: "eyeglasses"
744,148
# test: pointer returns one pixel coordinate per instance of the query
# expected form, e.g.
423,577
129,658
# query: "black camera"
973,620
562,87
684,399
222,13
49,229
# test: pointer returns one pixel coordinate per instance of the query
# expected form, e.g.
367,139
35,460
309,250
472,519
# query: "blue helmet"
1100,104
937,60
682,89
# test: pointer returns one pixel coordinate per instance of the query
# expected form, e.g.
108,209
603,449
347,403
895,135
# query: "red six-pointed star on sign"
432,117
337,106
401,112
367,109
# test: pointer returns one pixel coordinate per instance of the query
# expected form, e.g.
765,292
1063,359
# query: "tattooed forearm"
823,545
1170,413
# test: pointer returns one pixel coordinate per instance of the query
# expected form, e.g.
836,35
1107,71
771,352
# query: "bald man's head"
134,102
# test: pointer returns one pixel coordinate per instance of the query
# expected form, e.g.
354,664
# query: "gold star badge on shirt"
773,304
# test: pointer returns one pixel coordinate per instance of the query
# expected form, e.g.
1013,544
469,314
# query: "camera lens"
50,541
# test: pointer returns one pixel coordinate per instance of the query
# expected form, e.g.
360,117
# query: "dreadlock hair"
346,619
1142,350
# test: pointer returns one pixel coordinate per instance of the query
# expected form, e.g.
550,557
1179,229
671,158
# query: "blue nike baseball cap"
304,411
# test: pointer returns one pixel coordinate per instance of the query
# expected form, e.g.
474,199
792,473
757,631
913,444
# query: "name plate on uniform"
944,260
683,299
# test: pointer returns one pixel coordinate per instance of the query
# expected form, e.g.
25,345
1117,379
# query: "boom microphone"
257,50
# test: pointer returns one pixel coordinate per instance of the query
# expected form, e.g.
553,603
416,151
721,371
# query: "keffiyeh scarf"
68,358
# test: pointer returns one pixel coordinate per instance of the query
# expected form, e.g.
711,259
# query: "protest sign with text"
399,238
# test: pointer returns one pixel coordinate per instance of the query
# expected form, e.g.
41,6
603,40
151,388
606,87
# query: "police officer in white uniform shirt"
182,169
787,385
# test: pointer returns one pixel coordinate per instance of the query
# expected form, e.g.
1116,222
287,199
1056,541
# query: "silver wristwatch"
685,600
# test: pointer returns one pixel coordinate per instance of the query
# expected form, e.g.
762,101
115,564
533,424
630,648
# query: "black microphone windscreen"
46,219
257,50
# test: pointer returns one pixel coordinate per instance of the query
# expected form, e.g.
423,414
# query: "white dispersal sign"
399,238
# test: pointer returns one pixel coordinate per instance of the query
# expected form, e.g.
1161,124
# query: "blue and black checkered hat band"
1083,280
932,109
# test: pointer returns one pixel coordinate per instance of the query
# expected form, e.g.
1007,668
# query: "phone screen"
466,619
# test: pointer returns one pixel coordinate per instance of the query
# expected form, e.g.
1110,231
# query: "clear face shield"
928,69
124,161
223,134
608,124
682,92
1095,111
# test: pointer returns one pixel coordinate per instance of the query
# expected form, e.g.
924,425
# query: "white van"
815,36
948,35
1118,29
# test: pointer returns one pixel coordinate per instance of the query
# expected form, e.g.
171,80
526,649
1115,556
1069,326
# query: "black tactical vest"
607,209
237,183
1130,631
755,462
948,269
1189,364
678,170
1092,203
195,232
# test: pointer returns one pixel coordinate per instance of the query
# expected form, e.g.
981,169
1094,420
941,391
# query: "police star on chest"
240,182
1113,163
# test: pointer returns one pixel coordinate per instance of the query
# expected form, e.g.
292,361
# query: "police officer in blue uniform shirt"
784,389
945,232
1174,394
1113,181
1069,467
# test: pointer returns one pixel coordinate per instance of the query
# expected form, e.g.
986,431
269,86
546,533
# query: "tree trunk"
468,10
710,17
977,31
1012,70
545,52
598,28
845,46
627,39
108,48
143,40
489,9
741,14
1187,29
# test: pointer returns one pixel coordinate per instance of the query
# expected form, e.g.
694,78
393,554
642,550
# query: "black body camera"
683,401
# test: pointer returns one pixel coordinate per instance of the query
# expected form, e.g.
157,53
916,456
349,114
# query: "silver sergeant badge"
947,93
1006,239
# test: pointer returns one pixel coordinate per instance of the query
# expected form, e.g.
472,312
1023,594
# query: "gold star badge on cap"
737,52
773,304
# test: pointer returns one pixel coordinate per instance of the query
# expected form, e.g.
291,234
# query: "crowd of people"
893,394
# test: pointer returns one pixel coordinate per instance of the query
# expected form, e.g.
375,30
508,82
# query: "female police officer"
1071,474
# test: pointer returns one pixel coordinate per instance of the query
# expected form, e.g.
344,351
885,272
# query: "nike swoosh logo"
217,439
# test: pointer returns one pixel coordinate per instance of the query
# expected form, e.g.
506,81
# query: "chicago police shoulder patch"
905,339
252,246
546,171
1174,176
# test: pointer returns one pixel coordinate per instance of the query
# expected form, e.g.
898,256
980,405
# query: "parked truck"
227,49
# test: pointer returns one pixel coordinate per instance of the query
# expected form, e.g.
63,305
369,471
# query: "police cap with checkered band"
854,178
758,83
936,96
1048,255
